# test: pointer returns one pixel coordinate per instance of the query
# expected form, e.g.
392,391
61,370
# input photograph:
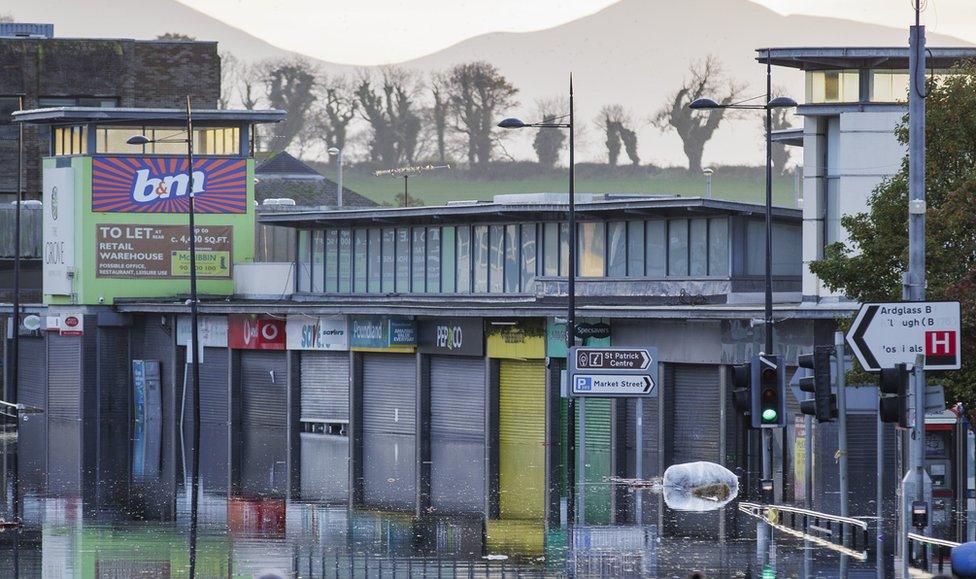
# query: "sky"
377,31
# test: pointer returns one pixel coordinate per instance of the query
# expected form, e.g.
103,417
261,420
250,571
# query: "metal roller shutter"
113,374
263,427
32,385
264,381
389,422
325,386
457,431
213,386
32,433
598,459
521,436
64,376
696,433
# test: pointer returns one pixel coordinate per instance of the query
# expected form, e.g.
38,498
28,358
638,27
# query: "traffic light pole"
841,419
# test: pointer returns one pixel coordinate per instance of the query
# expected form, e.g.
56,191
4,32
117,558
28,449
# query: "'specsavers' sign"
126,184
129,251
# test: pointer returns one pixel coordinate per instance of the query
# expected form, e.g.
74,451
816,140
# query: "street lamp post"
771,103
193,351
337,153
513,123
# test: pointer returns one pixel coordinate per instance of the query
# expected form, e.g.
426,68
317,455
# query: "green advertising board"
116,226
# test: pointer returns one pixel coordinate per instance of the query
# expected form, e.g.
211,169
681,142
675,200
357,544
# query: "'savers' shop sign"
129,251
317,333
452,336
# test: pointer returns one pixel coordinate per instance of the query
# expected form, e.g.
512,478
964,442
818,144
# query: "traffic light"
768,392
824,403
741,383
893,385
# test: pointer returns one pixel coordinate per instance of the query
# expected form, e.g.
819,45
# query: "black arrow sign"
647,384
858,336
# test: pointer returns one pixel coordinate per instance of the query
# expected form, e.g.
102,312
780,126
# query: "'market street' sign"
886,334
608,372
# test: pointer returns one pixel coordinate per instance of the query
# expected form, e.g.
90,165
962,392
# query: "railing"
810,521
15,410
942,546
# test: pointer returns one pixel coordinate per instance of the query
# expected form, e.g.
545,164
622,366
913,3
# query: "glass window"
656,248
206,141
833,86
402,260
464,258
678,247
433,259
496,258
418,249
481,259
448,263
698,248
617,240
635,248
787,249
528,256
755,247
359,261
388,261
9,131
331,260
345,260
564,249
550,249
592,248
512,265
375,256
304,262
318,260
718,246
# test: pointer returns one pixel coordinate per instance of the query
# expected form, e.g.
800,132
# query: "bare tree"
439,90
617,126
6,17
697,127
391,109
478,92
229,68
290,87
548,143
334,110
250,84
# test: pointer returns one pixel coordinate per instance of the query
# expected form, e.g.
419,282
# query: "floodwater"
110,510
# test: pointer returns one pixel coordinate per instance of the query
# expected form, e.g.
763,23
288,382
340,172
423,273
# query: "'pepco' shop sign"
451,336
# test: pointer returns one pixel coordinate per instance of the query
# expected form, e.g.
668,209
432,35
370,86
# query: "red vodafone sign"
255,332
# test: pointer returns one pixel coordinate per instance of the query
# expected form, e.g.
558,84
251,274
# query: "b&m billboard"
162,185
120,224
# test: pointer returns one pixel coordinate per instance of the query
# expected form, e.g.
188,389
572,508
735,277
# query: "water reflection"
109,511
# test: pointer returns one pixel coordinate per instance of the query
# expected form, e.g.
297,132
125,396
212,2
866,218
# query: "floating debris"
691,486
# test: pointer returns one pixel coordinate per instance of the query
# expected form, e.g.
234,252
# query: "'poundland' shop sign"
382,333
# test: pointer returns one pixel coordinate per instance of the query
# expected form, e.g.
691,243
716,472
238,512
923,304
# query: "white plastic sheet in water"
699,486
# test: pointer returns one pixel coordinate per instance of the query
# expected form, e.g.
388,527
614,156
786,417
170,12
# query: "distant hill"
634,52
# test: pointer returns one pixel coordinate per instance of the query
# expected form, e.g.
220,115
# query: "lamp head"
334,151
704,104
138,140
511,123
781,102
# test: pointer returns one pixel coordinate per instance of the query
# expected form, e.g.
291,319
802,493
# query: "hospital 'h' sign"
135,184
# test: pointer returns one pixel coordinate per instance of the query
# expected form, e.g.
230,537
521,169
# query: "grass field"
439,190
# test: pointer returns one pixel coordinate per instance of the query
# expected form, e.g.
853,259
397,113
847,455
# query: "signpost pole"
581,466
639,462
841,420
194,345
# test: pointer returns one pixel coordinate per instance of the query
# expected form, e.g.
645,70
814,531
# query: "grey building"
94,72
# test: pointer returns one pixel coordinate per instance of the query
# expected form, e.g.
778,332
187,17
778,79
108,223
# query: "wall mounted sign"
135,184
519,338
317,333
71,325
452,336
255,332
131,251
382,332
211,329
59,230
590,331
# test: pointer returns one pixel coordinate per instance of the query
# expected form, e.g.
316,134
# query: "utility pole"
841,419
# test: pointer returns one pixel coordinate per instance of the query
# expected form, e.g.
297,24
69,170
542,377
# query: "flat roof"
629,208
837,57
104,115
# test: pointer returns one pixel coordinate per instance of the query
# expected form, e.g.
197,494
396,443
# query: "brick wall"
137,73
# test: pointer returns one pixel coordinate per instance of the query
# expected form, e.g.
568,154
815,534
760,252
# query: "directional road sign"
886,334
609,372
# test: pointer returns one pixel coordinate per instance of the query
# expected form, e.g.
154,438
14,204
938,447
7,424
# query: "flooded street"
121,520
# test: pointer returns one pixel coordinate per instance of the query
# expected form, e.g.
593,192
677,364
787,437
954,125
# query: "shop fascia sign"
255,332
382,332
211,329
317,332
452,336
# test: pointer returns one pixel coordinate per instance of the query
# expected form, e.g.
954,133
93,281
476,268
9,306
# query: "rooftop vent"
26,30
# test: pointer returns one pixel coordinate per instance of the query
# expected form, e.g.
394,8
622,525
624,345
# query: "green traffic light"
769,415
